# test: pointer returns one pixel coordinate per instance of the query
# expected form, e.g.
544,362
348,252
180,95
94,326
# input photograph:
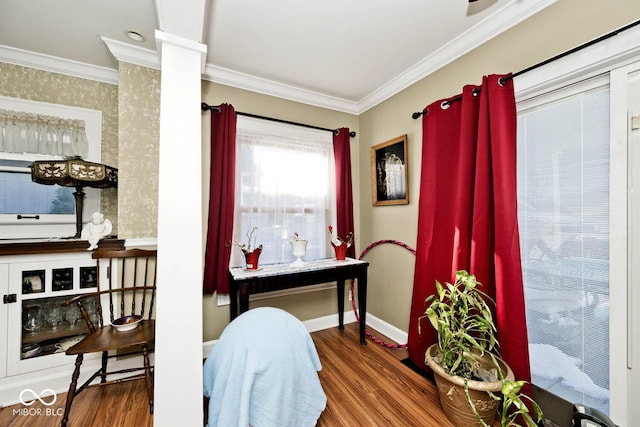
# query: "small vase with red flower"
340,245
251,256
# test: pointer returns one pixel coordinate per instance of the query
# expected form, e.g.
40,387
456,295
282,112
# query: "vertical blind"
563,196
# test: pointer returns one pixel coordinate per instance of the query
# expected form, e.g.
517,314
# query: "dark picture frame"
62,279
33,281
390,172
88,277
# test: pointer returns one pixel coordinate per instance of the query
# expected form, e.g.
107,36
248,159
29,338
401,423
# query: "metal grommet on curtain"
336,132
475,92
502,81
444,105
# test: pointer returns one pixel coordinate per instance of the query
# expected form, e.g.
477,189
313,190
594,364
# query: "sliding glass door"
579,214
563,195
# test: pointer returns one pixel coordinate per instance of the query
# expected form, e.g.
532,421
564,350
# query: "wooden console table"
243,282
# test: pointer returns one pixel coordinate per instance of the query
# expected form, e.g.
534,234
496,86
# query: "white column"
178,355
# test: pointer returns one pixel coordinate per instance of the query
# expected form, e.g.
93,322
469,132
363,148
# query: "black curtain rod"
204,106
547,61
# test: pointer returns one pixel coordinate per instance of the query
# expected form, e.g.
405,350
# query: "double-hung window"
285,184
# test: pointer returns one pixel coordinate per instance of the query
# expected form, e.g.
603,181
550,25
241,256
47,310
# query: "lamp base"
79,197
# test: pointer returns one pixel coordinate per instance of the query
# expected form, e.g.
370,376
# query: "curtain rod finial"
416,115
204,107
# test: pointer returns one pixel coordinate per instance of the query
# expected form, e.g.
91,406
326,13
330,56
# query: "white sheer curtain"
22,132
285,184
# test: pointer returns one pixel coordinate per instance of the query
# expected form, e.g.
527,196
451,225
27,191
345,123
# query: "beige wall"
28,83
138,151
304,306
562,26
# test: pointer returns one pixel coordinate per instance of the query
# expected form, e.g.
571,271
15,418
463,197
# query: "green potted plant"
468,371
514,405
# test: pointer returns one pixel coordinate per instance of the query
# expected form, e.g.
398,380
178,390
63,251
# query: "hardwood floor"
118,405
365,386
369,386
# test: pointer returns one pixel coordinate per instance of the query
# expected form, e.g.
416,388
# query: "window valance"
22,132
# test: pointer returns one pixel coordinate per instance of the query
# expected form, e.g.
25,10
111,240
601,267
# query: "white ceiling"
346,55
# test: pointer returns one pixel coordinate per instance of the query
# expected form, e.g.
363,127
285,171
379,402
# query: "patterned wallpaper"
139,134
36,85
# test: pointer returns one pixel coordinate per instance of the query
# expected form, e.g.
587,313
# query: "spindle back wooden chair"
126,288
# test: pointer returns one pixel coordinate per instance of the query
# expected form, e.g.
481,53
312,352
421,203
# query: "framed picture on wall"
390,172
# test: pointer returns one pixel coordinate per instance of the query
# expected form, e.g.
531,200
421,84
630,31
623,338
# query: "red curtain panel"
344,189
467,213
221,200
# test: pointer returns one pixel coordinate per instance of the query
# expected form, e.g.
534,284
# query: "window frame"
288,131
605,57
53,226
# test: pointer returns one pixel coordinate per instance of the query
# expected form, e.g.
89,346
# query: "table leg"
244,297
362,305
233,304
340,286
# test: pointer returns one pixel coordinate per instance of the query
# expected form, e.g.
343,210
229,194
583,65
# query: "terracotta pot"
251,258
452,396
341,251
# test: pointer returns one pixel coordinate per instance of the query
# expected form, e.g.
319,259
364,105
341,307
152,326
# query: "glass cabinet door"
39,327
48,327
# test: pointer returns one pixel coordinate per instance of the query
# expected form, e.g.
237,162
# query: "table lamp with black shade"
74,172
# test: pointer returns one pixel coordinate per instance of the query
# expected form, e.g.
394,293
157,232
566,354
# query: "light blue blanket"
262,372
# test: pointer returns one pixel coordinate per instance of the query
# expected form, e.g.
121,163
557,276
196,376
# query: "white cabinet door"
38,328
4,313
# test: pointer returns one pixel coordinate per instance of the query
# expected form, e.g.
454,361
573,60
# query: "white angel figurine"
95,230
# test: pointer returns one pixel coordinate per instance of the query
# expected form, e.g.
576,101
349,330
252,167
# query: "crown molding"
251,83
496,23
54,64
126,52
493,25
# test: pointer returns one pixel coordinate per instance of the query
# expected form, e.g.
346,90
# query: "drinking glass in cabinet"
54,315
32,318
72,316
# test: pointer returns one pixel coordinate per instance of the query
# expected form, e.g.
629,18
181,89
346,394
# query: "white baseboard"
331,321
394,333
